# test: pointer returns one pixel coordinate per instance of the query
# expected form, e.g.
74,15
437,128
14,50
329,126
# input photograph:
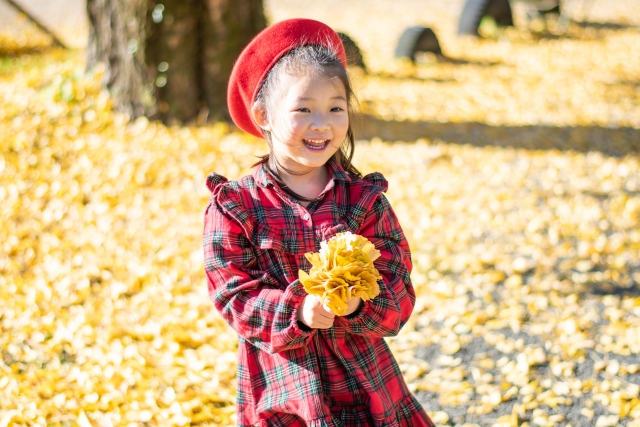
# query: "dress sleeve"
251,301
389,311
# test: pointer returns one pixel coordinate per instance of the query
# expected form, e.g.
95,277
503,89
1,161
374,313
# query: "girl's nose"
320,122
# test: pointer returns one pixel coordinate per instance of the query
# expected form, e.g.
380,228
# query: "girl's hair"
304,60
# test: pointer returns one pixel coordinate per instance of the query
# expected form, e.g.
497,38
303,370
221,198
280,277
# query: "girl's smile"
316,144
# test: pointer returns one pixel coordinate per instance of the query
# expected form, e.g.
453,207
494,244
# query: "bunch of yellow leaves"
342,269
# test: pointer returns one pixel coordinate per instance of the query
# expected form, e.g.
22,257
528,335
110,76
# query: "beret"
262,53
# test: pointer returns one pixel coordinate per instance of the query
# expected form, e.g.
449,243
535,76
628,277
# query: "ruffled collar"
263,177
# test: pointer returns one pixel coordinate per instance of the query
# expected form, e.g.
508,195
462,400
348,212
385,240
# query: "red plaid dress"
255,238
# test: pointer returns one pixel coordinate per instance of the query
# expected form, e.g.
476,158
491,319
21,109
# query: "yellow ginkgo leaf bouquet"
341,270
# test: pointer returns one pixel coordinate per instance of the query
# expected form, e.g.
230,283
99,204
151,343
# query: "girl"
298,364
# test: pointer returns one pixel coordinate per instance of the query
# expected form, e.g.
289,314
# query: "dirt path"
67,18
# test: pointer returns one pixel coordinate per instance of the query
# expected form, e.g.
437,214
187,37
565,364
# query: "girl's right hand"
313,314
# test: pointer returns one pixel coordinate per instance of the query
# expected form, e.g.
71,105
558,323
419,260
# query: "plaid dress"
255,238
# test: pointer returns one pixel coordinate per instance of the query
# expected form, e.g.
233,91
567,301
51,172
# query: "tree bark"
170,59
117,40
173,43
229,27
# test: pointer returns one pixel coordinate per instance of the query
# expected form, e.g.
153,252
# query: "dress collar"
336,173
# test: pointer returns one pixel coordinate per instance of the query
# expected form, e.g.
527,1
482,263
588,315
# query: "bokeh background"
514,168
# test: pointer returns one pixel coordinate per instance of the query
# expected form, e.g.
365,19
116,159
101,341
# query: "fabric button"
306,217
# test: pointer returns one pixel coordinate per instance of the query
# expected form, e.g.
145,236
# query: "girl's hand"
313,314
353,304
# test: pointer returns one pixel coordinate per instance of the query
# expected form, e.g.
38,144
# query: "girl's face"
310,121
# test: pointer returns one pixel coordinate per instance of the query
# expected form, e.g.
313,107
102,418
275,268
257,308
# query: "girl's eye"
304,110
334,109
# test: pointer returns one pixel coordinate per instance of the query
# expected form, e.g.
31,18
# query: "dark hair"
303,60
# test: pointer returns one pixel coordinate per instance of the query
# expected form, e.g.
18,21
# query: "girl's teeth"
315,143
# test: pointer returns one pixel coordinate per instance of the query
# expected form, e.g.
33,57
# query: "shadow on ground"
615,142
605,25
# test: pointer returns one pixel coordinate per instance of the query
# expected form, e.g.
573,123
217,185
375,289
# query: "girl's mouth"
315,144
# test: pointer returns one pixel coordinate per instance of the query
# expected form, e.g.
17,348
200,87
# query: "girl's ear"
260,117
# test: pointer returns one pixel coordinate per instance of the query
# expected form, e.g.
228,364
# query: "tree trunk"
117,40
170,59
173,42
229,27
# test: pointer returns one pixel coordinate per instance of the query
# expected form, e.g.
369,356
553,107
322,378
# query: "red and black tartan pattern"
255,238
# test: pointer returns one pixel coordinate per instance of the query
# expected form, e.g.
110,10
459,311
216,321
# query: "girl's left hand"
353,304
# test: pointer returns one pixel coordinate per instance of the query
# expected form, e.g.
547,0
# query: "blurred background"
512,153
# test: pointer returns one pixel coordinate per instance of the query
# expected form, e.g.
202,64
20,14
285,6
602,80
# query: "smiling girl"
298,363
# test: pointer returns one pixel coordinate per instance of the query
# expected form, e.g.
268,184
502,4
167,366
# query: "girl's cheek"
342,118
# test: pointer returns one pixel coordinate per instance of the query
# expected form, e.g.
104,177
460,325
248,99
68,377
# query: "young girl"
299,364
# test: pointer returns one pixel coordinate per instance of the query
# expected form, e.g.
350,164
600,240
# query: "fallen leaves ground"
526,260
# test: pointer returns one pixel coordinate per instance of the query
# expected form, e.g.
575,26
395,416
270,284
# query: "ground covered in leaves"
517,183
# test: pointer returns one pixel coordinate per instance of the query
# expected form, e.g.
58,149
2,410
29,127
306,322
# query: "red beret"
262,53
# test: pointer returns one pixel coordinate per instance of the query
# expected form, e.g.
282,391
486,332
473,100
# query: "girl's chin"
305,162
305,159
308,164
